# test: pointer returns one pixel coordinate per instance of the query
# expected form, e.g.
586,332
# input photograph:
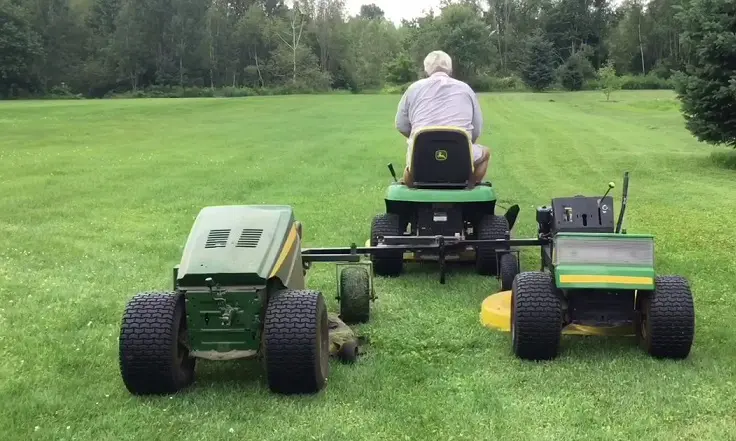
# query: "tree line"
99,47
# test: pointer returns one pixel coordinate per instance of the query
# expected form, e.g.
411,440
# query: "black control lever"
393,173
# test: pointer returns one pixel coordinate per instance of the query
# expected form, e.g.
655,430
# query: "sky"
396,9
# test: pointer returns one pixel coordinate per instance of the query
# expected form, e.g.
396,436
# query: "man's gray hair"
437,61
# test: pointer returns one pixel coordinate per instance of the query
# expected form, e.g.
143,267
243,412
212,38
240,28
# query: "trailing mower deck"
595,279
239,292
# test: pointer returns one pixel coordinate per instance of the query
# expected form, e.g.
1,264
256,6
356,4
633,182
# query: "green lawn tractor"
595,279
441,205
239,292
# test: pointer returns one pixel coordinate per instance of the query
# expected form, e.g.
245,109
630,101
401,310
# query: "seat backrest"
442,157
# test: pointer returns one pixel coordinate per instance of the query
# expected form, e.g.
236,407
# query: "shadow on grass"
428,267
241,371
598,347
724,159
240,377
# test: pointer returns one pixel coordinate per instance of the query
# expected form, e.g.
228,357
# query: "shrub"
395,89
575,71
726,159
609,81
400,70
649,81
487,83
537,67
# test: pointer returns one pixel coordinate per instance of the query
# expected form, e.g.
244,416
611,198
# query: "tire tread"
538,316
291,325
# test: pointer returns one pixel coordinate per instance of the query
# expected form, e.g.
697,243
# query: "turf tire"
296,342
355,295
536,316
490,227
152,362
667,326
388,263
509,269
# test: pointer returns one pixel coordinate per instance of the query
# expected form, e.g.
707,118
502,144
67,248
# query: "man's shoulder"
417,84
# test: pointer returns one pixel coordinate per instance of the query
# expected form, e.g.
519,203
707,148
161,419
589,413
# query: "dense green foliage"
240,47
537,65
576,70
708,86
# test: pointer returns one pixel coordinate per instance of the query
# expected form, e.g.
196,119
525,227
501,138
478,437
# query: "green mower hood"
235,245
604,261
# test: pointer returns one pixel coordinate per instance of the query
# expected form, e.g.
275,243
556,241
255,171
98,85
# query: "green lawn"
97,198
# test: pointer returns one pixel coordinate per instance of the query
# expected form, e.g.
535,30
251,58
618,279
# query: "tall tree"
708,88
20,46
371,12
538,68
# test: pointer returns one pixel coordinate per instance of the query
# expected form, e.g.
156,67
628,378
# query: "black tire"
536,316
348,353
154,358
388,263
666,327
489,228
296,342
355,295
509,269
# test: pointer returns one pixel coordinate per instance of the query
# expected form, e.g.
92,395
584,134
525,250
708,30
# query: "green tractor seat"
442,158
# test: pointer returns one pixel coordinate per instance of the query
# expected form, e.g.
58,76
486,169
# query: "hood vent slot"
249,238
217,239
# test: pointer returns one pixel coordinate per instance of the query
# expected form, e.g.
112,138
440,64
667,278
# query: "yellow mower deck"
496,313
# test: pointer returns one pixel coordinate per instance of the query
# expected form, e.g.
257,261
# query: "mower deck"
495,313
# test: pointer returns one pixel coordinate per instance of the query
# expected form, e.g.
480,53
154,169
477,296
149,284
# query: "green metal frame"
402,193
225,321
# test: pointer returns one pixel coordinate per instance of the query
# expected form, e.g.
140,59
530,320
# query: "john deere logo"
440,155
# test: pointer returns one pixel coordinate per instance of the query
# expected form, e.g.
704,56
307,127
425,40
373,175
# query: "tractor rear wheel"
153,345
296,342
666,324
491,227
509,269
355,295
536,316
387,263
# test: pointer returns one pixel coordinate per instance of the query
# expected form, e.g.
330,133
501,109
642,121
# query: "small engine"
544,220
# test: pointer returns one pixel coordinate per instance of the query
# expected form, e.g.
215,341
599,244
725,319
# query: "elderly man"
440,100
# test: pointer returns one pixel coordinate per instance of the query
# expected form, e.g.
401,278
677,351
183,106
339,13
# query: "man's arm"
477,117
403,125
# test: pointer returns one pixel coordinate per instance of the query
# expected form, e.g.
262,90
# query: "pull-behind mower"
239,292
594,280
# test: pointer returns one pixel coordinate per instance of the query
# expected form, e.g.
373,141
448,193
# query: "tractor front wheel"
536,316
296,342
355,295
509,269
666,323
153,345
387,263
490,228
